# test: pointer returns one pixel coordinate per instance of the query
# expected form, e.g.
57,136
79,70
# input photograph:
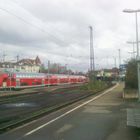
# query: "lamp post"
137,43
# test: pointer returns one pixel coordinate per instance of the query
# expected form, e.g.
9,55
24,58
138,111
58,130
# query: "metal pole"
91,42
115,62
133,50
119,57
10,76
68,73
137,43
119,64
48,72
10,80
92,64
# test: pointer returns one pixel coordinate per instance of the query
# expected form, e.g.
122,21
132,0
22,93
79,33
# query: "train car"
62,79
30,79
16,80
26,80
72,79
52,79
3,77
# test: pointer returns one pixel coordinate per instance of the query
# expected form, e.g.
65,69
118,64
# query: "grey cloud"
61,29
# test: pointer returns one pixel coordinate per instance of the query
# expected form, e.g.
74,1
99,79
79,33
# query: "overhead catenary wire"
62,41
56,29
52,36
33,25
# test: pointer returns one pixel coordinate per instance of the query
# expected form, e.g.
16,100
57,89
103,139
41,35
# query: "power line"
56,29
33,25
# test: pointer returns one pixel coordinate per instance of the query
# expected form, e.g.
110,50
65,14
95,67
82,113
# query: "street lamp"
131,10
136,11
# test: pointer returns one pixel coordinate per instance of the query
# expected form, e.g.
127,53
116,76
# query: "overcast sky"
57,30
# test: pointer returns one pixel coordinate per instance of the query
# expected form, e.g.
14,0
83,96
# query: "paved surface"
133,115
101,119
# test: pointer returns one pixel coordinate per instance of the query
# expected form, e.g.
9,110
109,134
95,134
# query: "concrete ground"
96,118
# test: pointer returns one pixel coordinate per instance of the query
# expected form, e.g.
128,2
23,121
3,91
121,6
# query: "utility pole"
4,55
48,73
119,57
92,64
107,62
119,63
137,44
17,58
115,62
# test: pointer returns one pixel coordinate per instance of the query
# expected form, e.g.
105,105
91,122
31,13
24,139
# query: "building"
23,65
122,71
57,68
107,73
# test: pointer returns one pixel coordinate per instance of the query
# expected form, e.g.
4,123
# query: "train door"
58,80
4,82
43,81
17,82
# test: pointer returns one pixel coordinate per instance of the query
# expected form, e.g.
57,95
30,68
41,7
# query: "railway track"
8,97
26,108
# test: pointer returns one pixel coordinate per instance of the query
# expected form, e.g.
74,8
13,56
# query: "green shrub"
95,86
131,80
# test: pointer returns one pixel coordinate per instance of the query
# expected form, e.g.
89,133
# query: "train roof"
27,74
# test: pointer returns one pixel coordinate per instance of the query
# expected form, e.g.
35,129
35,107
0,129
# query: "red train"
25,80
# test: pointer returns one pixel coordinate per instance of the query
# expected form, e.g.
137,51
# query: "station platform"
133,116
